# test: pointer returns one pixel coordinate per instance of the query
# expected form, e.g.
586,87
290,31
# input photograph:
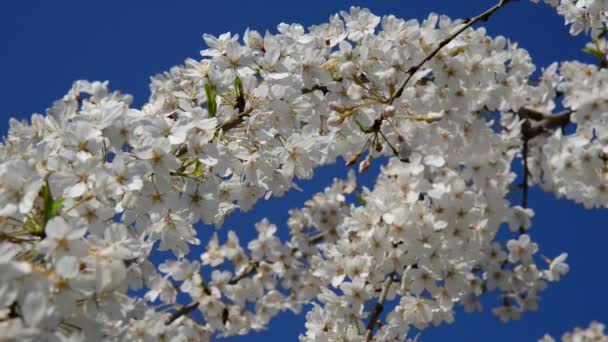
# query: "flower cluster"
575,165
583,15
424,239
93,190
595,332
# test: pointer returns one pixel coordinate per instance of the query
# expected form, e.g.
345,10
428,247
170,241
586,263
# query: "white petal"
57,227
67,267
434,160
34,307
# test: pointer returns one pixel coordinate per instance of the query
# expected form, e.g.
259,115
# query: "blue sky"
47,45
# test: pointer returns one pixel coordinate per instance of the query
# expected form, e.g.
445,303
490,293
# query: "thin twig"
525,185
482,17
545,122
183,311
251,269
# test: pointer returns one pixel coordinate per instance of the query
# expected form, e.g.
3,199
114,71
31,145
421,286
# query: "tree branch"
183,311
251,269
369,332
546,122
253,266
468,23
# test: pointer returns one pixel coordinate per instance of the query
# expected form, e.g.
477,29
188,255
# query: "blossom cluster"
91,192
587,16
424,233
595,332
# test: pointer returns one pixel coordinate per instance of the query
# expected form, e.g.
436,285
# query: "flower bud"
354,159
365,164
390,77
435,116
337,107
388,112
354,92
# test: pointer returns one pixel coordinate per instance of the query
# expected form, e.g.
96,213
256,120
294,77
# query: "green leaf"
47,200
211,103
602,34
360,199
238,86
595,52
240,95
50,205
56,206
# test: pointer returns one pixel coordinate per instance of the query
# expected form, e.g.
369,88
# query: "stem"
524,200
395,152
246,273
184,310
232,122
468,23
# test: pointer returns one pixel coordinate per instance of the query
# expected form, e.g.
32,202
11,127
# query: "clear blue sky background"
46,45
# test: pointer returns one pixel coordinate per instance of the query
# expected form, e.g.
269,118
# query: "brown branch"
315,239
324,89
468,23
529,113
183,311
251,269
529,131
547,123
369,332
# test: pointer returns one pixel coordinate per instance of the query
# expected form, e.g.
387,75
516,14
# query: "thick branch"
529,113
369,332
468,23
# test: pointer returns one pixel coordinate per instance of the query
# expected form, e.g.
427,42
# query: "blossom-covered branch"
91,191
